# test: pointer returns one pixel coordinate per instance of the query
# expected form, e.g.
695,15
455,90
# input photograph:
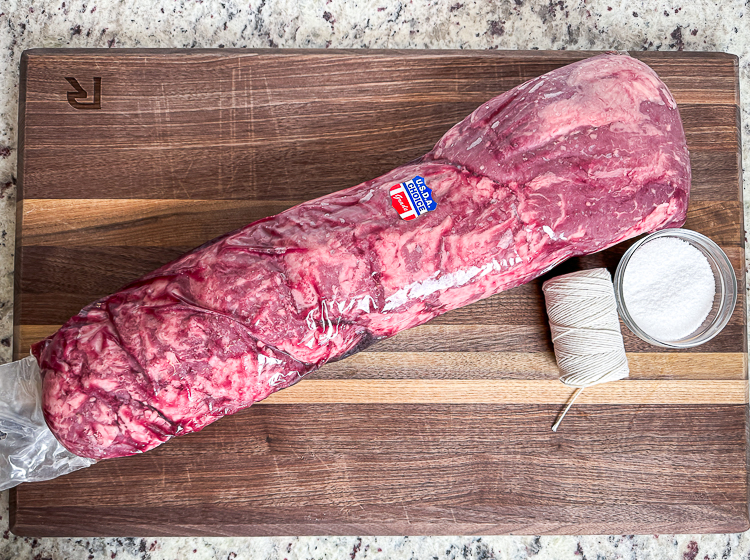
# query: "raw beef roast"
566,164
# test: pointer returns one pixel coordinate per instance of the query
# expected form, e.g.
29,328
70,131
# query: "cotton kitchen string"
585,330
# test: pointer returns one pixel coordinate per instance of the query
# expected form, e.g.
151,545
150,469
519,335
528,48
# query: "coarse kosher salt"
668,287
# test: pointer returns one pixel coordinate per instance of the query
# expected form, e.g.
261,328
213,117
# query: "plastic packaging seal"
29,452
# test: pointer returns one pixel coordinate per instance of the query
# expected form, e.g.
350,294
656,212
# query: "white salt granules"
668,287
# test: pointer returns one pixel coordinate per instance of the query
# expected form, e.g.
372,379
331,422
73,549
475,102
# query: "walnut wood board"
443,429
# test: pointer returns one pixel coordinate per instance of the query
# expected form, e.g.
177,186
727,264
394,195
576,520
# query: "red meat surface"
566,164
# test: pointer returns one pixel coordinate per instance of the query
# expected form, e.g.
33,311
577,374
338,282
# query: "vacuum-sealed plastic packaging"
566,164
29,451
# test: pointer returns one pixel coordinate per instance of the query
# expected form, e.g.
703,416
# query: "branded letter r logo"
80,93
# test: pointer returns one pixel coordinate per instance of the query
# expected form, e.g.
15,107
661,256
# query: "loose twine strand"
585,329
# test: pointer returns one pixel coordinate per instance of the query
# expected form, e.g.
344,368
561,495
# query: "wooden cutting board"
443,429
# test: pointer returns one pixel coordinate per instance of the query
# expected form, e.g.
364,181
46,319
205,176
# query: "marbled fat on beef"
566,164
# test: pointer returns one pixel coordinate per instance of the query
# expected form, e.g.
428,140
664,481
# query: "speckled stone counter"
481,24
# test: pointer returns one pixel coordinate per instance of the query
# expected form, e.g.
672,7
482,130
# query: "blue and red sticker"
412,198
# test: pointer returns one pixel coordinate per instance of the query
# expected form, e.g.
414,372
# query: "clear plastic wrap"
29,452
566,164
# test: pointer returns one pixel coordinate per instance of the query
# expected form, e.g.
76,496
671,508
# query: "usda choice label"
412,198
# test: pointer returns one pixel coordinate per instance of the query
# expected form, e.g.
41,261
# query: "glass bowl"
725,297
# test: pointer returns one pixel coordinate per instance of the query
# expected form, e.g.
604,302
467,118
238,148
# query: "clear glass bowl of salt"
675,288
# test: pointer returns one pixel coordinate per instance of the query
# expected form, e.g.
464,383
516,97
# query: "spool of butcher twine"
585,329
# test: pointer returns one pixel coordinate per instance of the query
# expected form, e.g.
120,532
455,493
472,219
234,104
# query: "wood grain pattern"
284,470
185,224
441,429
440,337
485,391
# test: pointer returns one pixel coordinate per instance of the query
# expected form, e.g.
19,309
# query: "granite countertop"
432,24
